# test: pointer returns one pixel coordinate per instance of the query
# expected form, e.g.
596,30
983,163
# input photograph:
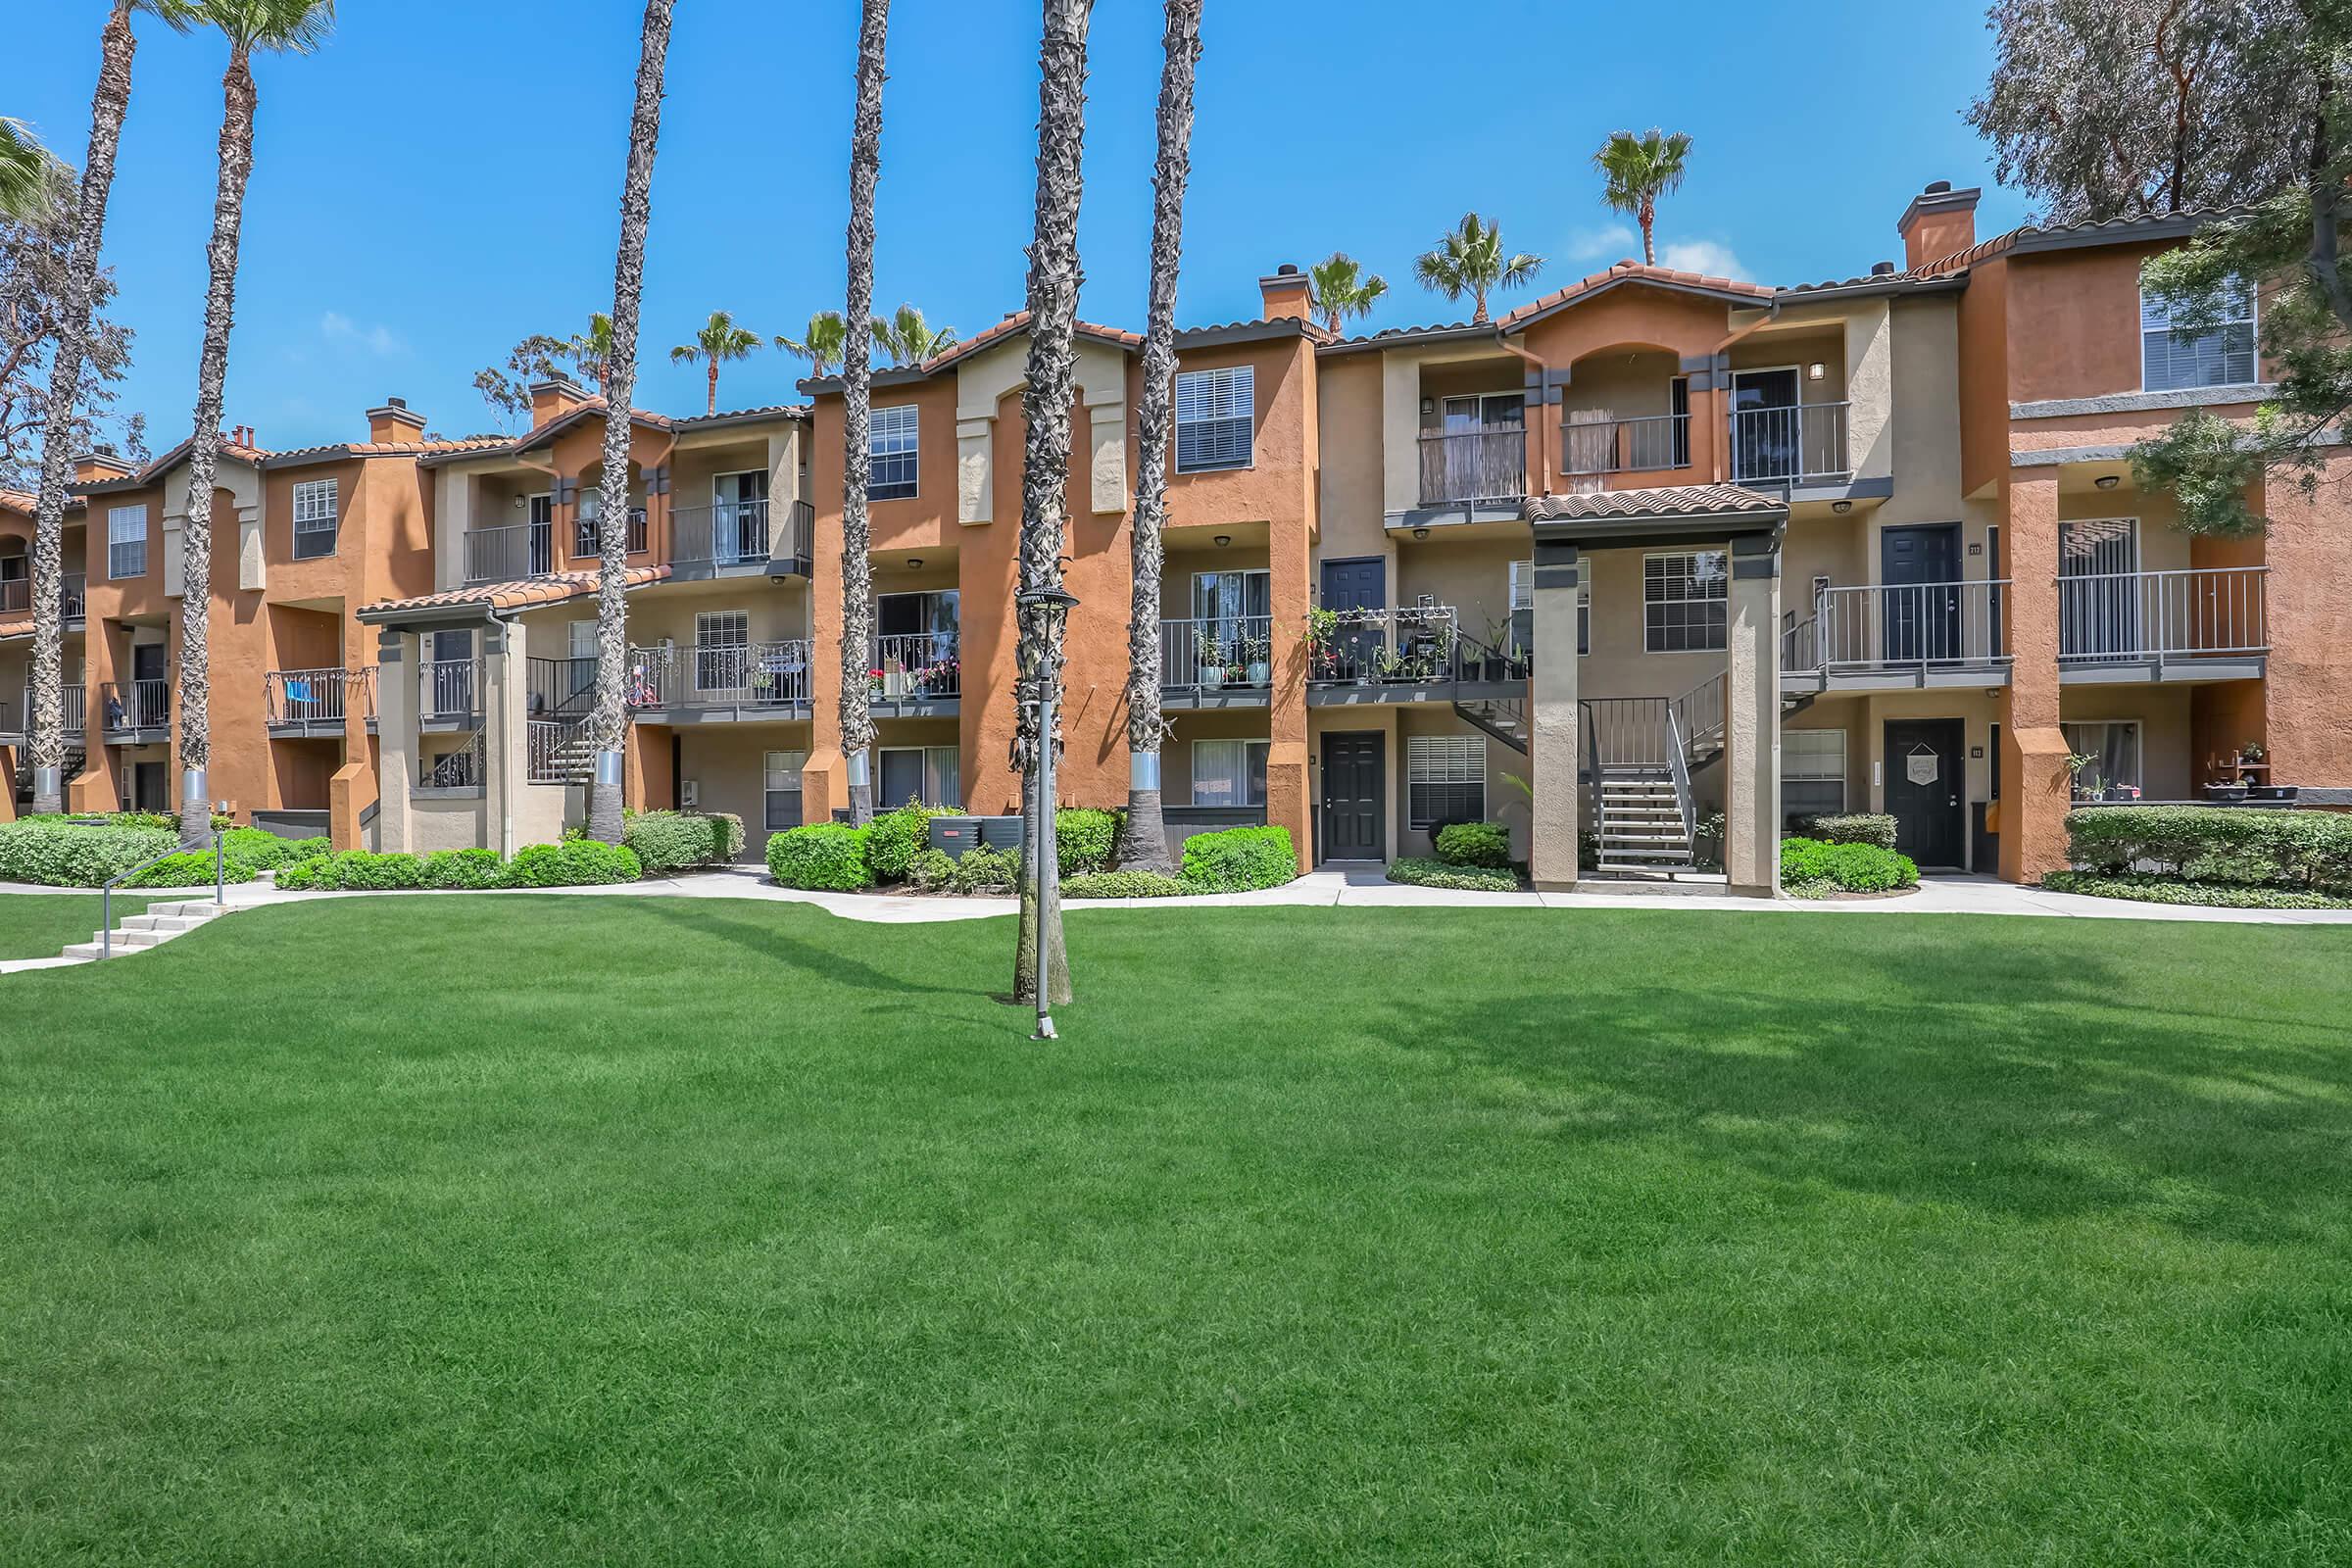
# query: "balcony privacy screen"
1214,413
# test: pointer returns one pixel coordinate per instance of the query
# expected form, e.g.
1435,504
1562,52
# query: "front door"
1353,798
1357,584
1925,785
147,787
1918,572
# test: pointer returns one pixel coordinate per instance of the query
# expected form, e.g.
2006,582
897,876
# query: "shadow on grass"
764,937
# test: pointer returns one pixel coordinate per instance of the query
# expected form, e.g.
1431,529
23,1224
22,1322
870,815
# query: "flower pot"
1261,673
1211,675
2226,794
895,683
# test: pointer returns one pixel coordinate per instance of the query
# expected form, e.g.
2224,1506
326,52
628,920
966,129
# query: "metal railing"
106,894
761,674
556,687
73,599
728,534
505,554
1217,651
1898,626
136,704
557,750
73,717
1473,465
1698,715
2203,611
1624,446
318,696
1627,731
448,688
916,665
16,594
587,542
463,769
1413,645
1805,441
73,590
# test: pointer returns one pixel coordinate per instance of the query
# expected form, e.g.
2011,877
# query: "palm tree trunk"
1478,292
1649,243
609,724
1143,837
108,106
857,378
711,407
1054,278
239,102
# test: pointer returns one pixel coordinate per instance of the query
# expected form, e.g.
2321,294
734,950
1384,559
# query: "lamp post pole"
1055,606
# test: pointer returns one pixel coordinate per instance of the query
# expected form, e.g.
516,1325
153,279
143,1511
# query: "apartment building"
17,527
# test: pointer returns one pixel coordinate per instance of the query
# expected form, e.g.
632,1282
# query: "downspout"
1772,314
506,774
1543,442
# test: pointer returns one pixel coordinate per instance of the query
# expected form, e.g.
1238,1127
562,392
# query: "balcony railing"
1793,444
319,696
1218,651
558,751
731,534
448,688
72,717
917,665
505,554
1626,446
461,769
136,704
1473,465
560,688
1414,645
2111,618
765,674
16,595
1904,626
74,588
587,543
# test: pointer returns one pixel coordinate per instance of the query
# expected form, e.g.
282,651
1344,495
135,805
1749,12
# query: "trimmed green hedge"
574,862
933,871
56,853
2233,847
678,841
1122,885
1083,838
1851,827
1239,859
1481,844
1419,873
828,857
354,870
469,870
192,868
2174,890
895,838
263,850
1814,868
986,870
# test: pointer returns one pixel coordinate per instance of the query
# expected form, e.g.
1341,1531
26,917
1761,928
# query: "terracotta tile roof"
527,593
14,627
19,501
2031,236
1633,272
1019,322
780,410
1668,501
388,449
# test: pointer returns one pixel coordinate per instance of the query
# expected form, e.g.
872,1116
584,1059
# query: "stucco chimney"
1287,294
553,399
97,467
1940,222
393,423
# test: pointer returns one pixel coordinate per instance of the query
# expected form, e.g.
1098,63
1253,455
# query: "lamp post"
1055,605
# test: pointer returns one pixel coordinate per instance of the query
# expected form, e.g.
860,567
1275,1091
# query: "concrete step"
172,923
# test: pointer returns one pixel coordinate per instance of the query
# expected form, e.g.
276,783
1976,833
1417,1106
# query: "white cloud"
1611,243
1701,256
342,331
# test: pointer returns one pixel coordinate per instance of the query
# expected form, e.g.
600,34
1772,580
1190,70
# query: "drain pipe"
506,774
1772,314
1542,369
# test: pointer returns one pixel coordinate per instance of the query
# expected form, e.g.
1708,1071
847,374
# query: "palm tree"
823,347
592,349
1641,170
1342,289
1052,384
1470,261
856,398
908,339
720,341
28,175
109,104
285,27
1142,836
608,721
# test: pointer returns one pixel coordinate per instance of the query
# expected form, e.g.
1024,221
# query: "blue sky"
445,176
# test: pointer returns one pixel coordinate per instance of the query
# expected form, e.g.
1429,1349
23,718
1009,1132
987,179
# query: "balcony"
449,692
138,712
1894,636
916,675
72,717
508,554
1592,446
1220,662
316,701
1473,465
1413,654
15,597
460,772
2200,624
742,537
741,681
1804,443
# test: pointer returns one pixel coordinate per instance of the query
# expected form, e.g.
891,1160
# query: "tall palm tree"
284,26
1053,385
856,398
720,341
1343,290
1641,170
592,349
608,721
1142,836
1470,261
823,347
28,175
908,339
109,104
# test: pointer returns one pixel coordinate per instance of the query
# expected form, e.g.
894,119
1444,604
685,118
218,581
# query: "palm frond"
281,26
29,173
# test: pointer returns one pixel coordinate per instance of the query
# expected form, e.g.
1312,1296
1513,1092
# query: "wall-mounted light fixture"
914,562
521,503
1842,508
1429,405
2108,481
1223,539
1816,371
1420,534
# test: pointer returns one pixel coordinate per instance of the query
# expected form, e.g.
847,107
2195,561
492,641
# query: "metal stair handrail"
106,894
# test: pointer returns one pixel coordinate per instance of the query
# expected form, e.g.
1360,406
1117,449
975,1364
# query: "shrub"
986,870
933,871
1851,827
1083,838
263,850
56,853
1238,859
1121,885
829,855
895,838
677,841
1484,844
2309,851
1812,868
577,863
356,871
2174,890
472,871
191,869
1415,871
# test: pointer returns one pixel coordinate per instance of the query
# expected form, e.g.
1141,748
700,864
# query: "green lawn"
578,1230
38,925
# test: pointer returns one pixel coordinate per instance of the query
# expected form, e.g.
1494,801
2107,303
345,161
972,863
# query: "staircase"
1503,717
1643,823
560,752
160,923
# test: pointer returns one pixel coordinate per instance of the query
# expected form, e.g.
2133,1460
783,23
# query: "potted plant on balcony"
1259,651
1209,656
1322,642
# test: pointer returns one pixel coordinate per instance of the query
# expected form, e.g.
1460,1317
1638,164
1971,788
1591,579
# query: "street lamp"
1057,605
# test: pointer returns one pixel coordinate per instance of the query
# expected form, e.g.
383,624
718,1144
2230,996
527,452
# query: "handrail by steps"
106,894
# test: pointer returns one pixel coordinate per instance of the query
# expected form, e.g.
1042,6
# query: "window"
126,541
317,508
931,775
1812,773
2113,746
780,789
723,641
2169,359
1523,611
1684,598
1213,413
1229,772
893,444
1445,780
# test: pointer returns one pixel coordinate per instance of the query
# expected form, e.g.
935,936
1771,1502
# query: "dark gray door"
1353,798
1358,583
1919,568
1925,785
901,779
147,787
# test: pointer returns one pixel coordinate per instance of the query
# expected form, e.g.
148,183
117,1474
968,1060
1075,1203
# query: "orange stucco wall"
2308,717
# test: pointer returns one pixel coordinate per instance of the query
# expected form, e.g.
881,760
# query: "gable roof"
1623,274
2027,238
493,598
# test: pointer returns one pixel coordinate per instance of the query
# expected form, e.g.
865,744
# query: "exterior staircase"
1503,717
159,924
1643,823
560,752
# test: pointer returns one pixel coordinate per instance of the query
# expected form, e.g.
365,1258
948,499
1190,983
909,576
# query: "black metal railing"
318,696
136,704
912,665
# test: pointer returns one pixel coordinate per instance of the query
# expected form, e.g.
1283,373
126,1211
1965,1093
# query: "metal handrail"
1207,651
928,664
1899,626
1794,441
2179,613
1680,766
727,534
106,894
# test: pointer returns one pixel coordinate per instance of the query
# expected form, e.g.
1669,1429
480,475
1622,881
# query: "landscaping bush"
1238,859
825,856
1083,838
355,871
1815,868
933,871
1849,827
1485,843
1418,871
59,855
2174,890
263,850
577,863
895,838
986,870
471,870
2306,850
191,869
678,841
1121,885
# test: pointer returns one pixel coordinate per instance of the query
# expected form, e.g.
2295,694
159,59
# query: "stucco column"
1553,820
2036,791
506,734
1751,727
2308,605
396,738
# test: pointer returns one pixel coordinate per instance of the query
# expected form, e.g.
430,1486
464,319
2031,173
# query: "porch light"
1420,534
1816,371
1842,508
914,562
2108,481
1429,405
1222,540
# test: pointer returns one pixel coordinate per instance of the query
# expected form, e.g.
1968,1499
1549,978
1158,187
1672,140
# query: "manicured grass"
38,925
638,1230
